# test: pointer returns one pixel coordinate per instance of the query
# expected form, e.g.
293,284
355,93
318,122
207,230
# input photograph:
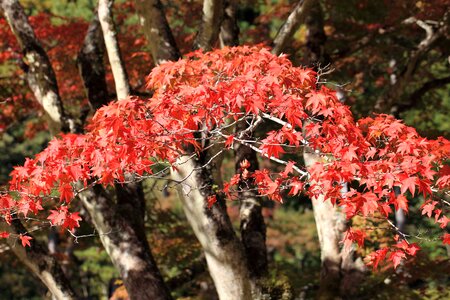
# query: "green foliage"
14,147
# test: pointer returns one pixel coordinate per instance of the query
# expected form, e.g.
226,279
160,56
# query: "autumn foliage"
195,103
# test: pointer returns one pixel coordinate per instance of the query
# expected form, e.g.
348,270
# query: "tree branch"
419,93
296,17
389,101
41,263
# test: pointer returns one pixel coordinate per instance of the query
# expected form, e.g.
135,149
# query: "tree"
235,86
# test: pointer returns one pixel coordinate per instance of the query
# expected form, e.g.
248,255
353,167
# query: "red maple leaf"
446,239
25,239
396,257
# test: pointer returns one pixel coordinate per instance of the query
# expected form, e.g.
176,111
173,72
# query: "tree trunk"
223,251
112,47
157,31
126,243
39,72
42,81
341,273
287,30
253,228
91,65
41,263
229,30
123,236
210,27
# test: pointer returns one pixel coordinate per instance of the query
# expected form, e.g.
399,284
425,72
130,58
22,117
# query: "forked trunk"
223,250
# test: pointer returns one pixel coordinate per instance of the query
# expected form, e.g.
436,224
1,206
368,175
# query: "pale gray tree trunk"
341,272
223,250
212,15
39,72
122,222
112,48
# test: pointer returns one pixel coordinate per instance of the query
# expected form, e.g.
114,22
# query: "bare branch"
296,17
389,101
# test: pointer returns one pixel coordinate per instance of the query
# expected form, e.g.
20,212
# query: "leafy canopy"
195,103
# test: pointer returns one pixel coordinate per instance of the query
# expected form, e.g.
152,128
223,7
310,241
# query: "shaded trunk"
42,81
112,48
123,235
157,31
229,30
290,26
253,228
91,65
223,251
38,69
41,263
210,27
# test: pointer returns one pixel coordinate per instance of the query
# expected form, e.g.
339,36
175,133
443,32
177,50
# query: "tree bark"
123,236
223,251
112,48
212,227
210,27
253,227
39,72
41,263
157,31
229,30
91,65
42,81
341,272
287,30
126,243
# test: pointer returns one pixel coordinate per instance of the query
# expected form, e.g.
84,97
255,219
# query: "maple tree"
208,93
211,103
